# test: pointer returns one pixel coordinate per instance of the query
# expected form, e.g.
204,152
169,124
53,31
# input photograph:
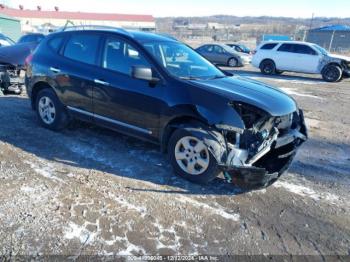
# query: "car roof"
139,36
286,42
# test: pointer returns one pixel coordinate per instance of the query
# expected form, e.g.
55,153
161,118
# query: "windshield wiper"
217,77
189,78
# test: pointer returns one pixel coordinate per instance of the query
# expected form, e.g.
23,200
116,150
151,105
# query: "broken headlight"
250,114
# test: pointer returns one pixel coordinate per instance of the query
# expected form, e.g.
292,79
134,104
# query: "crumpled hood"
236,88
16,54
341,57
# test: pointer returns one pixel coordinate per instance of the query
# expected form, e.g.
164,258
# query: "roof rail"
93,27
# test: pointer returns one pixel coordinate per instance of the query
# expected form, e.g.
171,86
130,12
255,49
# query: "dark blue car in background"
158,89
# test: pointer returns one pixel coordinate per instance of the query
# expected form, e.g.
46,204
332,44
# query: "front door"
121,101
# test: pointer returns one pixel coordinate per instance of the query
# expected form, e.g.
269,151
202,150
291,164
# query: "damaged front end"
258,155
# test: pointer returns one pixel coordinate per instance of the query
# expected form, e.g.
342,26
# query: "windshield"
181,61
244,48
321,50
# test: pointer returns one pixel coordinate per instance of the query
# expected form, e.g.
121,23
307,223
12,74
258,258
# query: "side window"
210,48
82,48
120,56
218,49
56,43
304,49
286,48
268,46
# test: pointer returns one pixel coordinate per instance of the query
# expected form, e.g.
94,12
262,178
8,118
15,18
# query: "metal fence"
334,41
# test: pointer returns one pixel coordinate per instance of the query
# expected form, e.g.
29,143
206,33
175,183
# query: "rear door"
74,71
285,58
208,52
220,55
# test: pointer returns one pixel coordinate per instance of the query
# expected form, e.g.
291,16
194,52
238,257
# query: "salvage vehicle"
158,89
30,38
12,67
5,41
275,57
222,54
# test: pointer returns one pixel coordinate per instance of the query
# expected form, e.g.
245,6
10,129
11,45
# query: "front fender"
223,115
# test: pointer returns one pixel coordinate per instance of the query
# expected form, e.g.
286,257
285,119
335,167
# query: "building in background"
335,38
35,20
10,27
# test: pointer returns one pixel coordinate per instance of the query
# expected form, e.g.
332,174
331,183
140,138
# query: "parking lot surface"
88,190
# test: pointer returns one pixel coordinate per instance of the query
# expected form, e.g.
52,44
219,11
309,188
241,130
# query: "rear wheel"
268,67
191,158
332,73
51,113
232,62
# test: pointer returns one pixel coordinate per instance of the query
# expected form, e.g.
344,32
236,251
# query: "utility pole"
312,20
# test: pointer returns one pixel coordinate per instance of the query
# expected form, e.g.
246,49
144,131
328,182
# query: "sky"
162,8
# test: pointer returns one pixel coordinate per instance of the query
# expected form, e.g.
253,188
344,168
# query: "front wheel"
332,73
191,158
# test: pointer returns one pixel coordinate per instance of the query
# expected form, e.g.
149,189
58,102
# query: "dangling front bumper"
273,164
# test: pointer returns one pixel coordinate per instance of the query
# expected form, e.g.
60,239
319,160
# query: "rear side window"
268,46
286,48
82,48
56,43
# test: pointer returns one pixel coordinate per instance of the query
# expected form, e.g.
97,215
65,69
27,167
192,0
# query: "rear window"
82,48
269,46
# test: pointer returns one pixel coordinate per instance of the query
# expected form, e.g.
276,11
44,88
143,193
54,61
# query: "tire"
50,111
232,62
332,73
268,67
204,174
278,72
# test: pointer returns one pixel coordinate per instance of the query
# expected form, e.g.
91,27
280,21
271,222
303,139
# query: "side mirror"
144,73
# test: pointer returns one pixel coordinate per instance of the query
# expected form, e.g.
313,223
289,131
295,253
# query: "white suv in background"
275,57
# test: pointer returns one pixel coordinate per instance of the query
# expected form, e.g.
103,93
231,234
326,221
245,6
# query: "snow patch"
293,91
307,192
44,170
79,232
215,211
27,189
123,202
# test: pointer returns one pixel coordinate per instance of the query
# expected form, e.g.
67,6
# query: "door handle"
55,70
100,82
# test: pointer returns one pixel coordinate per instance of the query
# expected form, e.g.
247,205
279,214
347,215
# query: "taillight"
28,60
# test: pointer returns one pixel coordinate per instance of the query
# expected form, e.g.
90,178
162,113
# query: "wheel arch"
176,123
267,59
330,64
37,87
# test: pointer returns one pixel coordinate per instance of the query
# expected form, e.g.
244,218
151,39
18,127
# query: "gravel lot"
89,190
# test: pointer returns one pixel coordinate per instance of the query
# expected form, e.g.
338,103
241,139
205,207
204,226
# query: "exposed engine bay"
12,67
11,79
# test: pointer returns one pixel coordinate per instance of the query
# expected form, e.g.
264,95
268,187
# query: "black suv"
158,89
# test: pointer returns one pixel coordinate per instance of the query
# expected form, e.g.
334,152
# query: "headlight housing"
250,114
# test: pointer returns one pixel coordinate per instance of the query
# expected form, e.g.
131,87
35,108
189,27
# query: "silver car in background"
222,54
